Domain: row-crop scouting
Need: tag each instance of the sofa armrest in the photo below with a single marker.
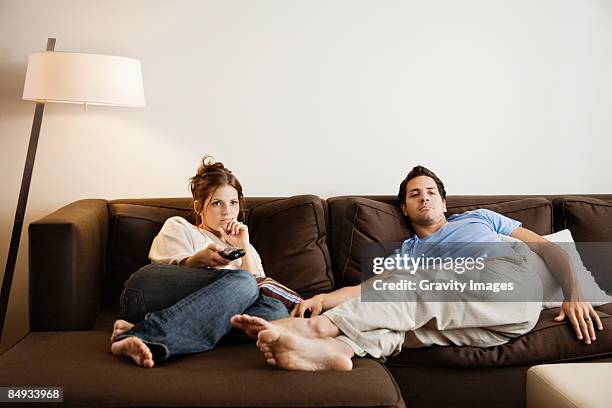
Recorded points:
(67, 266)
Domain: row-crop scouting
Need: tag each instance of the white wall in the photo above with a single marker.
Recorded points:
(324, 97)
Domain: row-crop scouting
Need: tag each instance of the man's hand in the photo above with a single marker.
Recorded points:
(583, 318)
(314, 305)
(581, 314)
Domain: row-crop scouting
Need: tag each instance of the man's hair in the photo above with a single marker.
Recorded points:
(416, 172)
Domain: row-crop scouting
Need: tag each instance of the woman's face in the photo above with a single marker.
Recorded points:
(220, 208)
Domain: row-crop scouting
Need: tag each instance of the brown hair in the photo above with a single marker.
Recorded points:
(210, 176)
(416, 172)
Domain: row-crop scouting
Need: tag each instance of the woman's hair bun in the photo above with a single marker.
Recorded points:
(209, 163)
(208, 160)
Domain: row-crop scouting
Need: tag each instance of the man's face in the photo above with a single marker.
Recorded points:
(423, 204)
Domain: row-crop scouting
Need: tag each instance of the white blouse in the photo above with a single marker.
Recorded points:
(179, 239)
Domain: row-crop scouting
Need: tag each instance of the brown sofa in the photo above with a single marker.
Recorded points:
(81, 254)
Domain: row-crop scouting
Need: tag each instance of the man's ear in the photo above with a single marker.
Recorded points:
(444, 204)
(403, 206)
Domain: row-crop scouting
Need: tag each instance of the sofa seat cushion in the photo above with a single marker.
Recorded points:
(357, 221)
(231, 375)
(547, 342)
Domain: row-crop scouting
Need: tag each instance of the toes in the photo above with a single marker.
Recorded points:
(144, 350)
(256, 320)
(144, 355)
(267, 336)
(271, 361)
(263, 345)
(147, 360)
(236, 320)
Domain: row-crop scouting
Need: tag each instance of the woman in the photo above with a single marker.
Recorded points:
(187, 296)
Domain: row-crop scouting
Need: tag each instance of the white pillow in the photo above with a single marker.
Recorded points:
(552, 292)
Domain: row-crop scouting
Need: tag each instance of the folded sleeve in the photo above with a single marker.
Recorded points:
(499, 223)
(173, 244)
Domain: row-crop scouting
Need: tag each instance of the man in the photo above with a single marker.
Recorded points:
(342, 325)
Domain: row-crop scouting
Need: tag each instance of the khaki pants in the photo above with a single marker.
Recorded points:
(380, 328)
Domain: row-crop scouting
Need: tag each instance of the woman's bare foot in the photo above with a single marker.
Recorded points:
(119, 327)
(136, 349)
(315, 327)
(294, 352)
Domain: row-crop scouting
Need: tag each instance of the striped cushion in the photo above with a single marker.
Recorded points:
(273, 289)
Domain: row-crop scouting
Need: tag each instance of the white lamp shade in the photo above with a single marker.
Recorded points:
(83, 78)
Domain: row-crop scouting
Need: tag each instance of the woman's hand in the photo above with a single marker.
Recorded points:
(314, 305)
(236, 234)
(583, 318)
(208, 257)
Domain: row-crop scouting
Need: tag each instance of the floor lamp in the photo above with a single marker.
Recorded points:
(87, 79)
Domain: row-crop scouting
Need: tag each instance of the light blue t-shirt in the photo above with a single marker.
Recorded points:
(465, 232)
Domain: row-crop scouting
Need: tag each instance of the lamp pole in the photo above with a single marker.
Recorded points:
(11, 261)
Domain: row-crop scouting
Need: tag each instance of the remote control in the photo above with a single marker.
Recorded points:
(232, 253)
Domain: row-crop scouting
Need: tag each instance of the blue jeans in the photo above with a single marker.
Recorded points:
(196, 322)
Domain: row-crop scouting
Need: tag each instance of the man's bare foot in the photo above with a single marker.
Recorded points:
(314, 327)
(251, 325)
(136, 349)
(119, 327)
(291, 351)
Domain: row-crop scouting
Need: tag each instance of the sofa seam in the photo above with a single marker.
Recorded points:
(604, 204)
(116, 217)
(509, 201)
(348, 255)
(328, 269)
(165, 207)
(552, 217)
(530, 207)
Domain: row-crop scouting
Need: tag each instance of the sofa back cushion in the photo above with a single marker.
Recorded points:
(133, 224)
(290, 235)
(590, 221)
(355, 221)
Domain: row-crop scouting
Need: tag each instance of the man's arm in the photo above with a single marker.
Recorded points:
(325, 301)
(558, 262)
